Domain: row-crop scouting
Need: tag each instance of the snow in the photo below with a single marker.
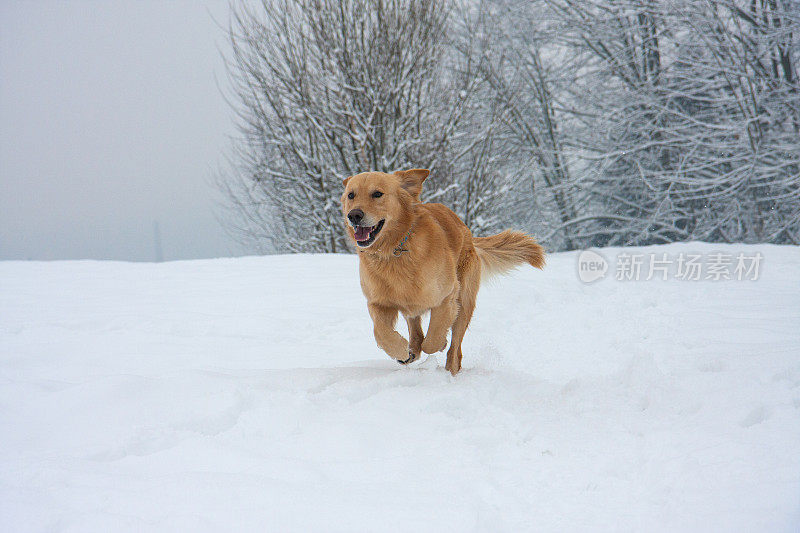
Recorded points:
(248, 394)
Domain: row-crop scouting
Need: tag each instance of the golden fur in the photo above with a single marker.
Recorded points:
(437, 269)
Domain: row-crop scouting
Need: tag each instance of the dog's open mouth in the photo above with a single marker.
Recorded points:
(365, 235)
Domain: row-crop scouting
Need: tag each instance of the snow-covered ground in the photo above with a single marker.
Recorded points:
(248, 394)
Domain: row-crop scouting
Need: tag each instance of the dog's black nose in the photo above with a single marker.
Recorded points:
(355, 216)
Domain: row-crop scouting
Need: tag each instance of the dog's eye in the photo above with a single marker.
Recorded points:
(377, 194)
(351, 195)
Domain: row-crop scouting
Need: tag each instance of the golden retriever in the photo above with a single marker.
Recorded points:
(417, 257)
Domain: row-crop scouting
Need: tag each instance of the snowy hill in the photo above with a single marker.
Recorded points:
(248, 393)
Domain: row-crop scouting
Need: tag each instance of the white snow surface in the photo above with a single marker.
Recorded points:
(249, 394)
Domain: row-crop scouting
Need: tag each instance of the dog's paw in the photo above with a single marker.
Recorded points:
(411, 358)
(430, 345)
(395, 346)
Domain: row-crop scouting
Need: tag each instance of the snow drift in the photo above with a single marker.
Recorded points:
(248, 394)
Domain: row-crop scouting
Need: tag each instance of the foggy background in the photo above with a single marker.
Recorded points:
(111, 121)
(681, 124)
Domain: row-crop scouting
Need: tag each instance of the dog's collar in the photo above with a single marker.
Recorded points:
(398, 250)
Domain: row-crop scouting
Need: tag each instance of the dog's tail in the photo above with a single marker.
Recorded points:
(507, 250)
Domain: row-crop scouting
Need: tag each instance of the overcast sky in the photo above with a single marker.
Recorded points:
(111, 119)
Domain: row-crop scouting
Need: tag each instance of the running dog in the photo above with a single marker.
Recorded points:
(416, 257)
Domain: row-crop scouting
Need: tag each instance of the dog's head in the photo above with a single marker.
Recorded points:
(373, 203)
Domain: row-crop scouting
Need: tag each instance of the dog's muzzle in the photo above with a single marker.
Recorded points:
(365, 235)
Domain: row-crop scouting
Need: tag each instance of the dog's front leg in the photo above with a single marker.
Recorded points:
(383, 320)
(415, 336)
(442, 317)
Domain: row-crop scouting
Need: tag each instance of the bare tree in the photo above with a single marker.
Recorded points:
(526, 88)
(591, 123)
(326, 89)
(693, 110)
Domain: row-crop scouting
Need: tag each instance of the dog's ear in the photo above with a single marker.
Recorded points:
(411, 180)
(344, 181)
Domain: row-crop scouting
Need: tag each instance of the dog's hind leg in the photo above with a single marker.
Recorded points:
(470, 282)
(442, 317)
(415, 335)
(383, 319)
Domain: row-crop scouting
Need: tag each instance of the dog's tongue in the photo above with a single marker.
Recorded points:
(362, 233)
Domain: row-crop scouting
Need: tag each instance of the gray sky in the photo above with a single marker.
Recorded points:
(111, 119)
